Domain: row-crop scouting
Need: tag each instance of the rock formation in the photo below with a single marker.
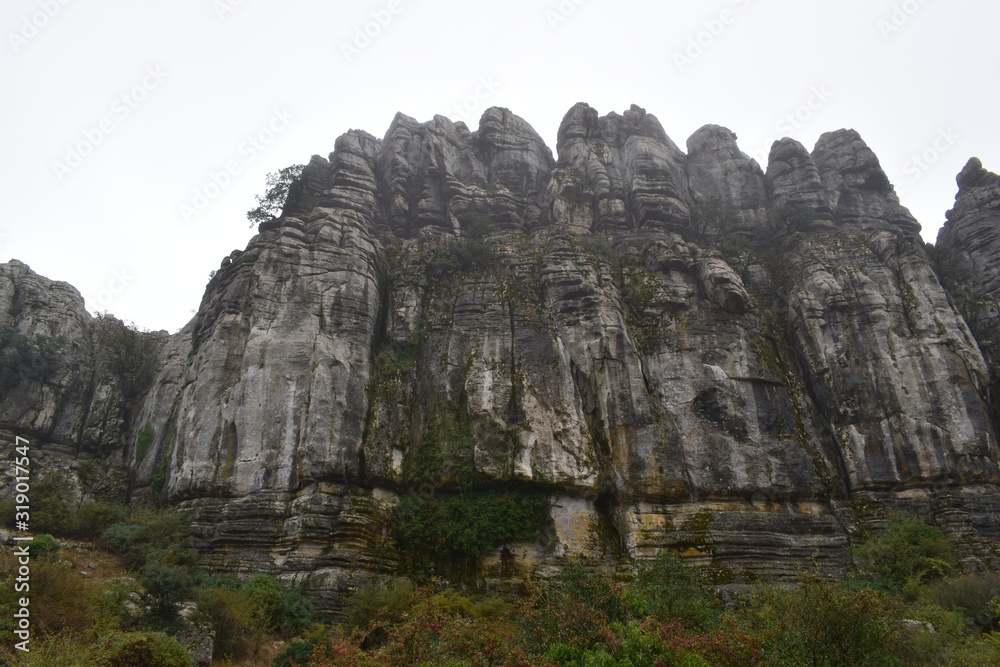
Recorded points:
(681, 350)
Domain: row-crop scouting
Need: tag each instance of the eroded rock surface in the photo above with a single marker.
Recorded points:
(680, 350)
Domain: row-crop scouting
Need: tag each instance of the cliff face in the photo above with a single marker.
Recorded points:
(680, 349)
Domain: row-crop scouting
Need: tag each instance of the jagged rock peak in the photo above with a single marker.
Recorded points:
(974, 175)
(858, 189)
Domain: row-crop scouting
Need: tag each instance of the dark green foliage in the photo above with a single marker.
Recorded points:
(160, 478)
(666, 588)
(151, 537)
(822, 624)
(298, 652)
(444, 453)
(93, 517)
(906, 555)
(387, 602)
(243, 614)
(237, 621)
(24, 357)
(711, 217)
(168, 586)
(128, 357)
(977, 596)
(51, 509)
(271, 203)
(43, 545)
(448, 532)
(154, 543)
(782, 219)
(142, 442)
(461, 256)
(287, 611)
(142, 649)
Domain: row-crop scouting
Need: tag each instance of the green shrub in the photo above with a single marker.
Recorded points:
(62, 650)
(51, 509)
(43, 545)
(93, 517)
(981, 652)
(971, 594)
(142, 442)
(238, 622)
(666, 588)
(385, 603)
(151, 536)
(298, 652)
(142, 649)
(821, 624)
(461, 256)
(24, 357)
(284, 610)
(904, 556)
(449, 532)
(168, 586)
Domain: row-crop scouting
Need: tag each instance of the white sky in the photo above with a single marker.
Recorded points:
(112, 224)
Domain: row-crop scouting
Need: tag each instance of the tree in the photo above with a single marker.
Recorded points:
(129, 357)
(270, 203)
(907, 554)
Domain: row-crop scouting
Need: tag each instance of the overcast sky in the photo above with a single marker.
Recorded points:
(119, 112)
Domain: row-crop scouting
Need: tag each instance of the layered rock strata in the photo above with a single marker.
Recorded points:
(682, 350)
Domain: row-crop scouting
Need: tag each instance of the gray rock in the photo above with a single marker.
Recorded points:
(446, 306)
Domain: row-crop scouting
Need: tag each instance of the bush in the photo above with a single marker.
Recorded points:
(461, 256)
(973, 595)
(151, 536)
(824, 624)
(144, 438)
(168, 586)
(51, 509)
(450, 532)
(43, 545)
(299, 652)
(238, 622)
(278, 184)
(575, 609)
(984, 652)
(59, 597)
(24, 357)
(372, 608)
(93, 517)
(64, 650)
(142, 649)
(668, 589)
(904, 556)
(287, 611)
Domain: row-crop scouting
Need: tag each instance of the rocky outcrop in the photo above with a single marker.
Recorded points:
(680, 350)
(53, 388)
(968, 260)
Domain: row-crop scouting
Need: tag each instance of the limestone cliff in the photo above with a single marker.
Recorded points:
(682, 350)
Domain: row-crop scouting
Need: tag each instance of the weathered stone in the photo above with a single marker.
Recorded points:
(681, 352)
